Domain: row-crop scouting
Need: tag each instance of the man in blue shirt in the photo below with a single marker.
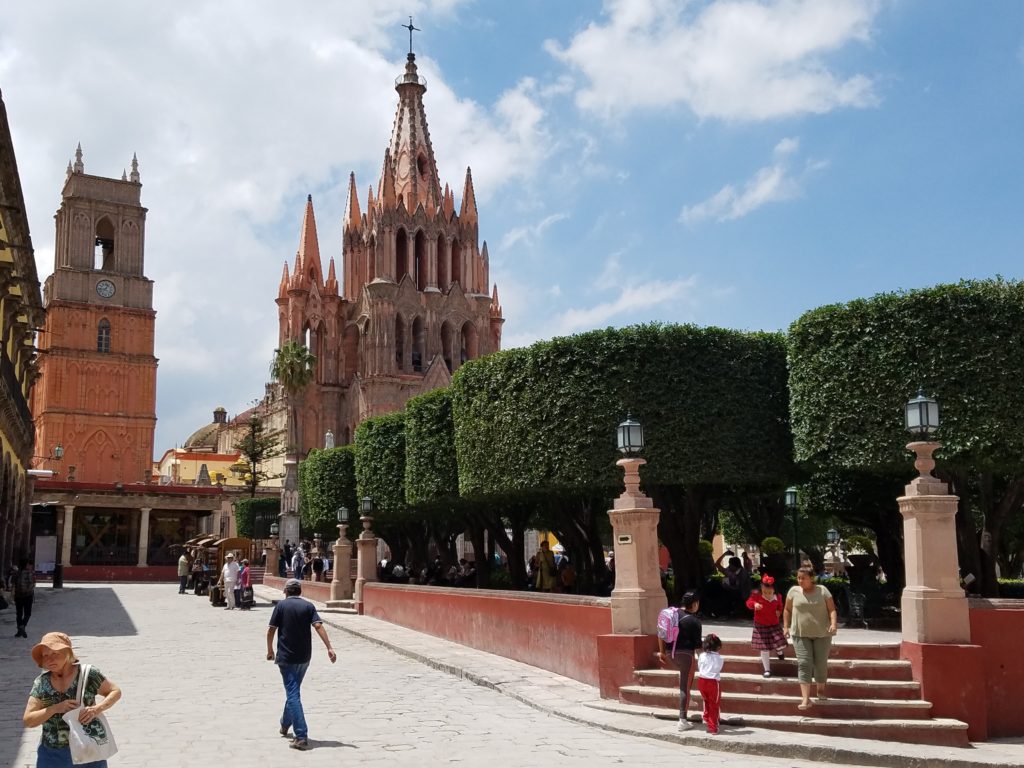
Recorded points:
(291, 621)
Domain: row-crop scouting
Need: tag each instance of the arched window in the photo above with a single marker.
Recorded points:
(399, 344)
(417, 344)
(469, 342)
(456, 273)
(103, 336)
(442, 263)
(421, 261)
(401, 255)
(446, 345)
(104, 244)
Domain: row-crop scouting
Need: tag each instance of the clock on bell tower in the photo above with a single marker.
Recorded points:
(97, 390)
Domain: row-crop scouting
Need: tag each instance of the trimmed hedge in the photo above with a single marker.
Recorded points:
(380, 462)
(431, 470)
(854, 366)
(543, 419)
(246, 511)
(327, 480)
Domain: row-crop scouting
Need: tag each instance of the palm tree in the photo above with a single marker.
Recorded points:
(293, 367)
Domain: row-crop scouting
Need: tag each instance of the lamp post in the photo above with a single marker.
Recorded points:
(792, 501)
(638, 596)
(341, 579)
(366, 552)
(270, 567)
(933, 605)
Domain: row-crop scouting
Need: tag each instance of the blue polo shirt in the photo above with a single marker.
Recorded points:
(294, 618)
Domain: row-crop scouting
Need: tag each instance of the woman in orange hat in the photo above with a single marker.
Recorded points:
(54, 693)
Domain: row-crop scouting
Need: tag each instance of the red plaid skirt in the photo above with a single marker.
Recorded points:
(767, 638)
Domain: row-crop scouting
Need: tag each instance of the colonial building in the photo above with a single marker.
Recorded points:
(414, 300)
(97, 397)
(21, 312)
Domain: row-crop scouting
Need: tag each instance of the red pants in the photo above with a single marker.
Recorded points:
(711, 695)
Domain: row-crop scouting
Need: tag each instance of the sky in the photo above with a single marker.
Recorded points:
(731, 163)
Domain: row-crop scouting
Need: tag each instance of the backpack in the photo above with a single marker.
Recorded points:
(668, 626)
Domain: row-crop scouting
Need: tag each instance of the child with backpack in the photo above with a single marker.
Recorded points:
(709, 675)
(767, 607)
(679, 637)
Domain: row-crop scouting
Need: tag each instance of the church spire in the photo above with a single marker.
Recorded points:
(468, 212)
(354, 215)
(134, 178)
(386, 190)
(282, 289)
(307, 260)
(331, 285)
(79, 165)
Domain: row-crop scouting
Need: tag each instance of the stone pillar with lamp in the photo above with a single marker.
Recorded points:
(366, 553)
(341, 579)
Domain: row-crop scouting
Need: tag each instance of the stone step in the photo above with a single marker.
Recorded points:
(759, 704)
(839, 688)
(934, 731)
(861, 669)
(875, 651)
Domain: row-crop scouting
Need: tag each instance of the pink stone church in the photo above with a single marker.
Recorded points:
(415, 300)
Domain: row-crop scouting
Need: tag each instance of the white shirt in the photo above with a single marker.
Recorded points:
(230, 572)
(709, 666)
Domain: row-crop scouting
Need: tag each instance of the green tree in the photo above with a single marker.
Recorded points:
(256, 446)
(293, 367)
(853, 367)
(253, 517)
(327, 481)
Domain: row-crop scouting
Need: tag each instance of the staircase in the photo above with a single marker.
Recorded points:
(872, 695)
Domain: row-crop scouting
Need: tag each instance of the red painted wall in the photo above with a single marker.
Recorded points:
(554, 632)
(121, 573)
(314, 590)
(998, 626)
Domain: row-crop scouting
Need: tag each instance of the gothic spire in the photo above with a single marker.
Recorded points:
(354, 215)
(468, 212)
(412, 154)
(135, 169)
(388, 196)
(282, 289)
(331, 285)
(79, 165)
(307, 259)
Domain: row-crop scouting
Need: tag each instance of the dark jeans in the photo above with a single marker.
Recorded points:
(23, 610)
(238, 596)
(293, 716)
(182, 581)
(48, 757)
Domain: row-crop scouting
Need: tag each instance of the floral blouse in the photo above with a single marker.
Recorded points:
(55, 730)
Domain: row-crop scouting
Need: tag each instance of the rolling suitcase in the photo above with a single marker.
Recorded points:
(248, 598)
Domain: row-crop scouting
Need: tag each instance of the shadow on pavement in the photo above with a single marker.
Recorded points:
(84, 613)
(317, 743)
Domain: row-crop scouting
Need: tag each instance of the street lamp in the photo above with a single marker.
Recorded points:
(275, 529)
(630, 436)
(342, 514)
(366, 506)
(922, 416)
(832, 537)
(792, 502)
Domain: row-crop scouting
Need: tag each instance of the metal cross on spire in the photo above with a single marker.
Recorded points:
(411, 29)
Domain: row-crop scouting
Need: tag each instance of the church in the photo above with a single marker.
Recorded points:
(414, 301)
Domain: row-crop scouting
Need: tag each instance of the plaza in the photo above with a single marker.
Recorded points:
(198, 689)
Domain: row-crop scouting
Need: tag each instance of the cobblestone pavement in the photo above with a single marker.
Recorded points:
(199, 692)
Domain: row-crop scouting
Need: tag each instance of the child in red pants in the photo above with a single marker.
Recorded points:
(709, 674)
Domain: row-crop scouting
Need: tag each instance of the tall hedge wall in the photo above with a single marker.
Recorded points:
(431, 470)
(854, 366)
(246, 511)
(713, 403)
(327, 481)
(380, 461)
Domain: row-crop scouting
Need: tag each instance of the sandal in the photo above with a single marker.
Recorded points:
(803, 707)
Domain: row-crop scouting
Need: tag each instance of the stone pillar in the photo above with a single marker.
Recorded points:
(289, 525)
(638, 595)
(65, 550)
(144, 536)
(934, 606)
(366, 560)
(341, 581)
(272, 559)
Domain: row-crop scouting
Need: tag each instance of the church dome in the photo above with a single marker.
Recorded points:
(204, 439)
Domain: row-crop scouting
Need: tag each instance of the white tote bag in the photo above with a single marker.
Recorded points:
(91, 742)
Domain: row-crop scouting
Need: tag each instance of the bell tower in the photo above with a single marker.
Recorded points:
(97, 391)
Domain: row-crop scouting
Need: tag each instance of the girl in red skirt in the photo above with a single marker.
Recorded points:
(767, 607)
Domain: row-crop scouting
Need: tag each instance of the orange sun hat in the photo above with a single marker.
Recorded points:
(55, 641)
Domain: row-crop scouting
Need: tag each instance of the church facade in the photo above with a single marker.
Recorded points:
(414, 299)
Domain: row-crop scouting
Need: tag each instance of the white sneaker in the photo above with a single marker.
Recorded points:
(685, 725)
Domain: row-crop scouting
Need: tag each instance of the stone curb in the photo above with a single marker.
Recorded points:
(579, 712)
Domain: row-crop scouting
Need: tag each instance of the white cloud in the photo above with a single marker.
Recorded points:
(632, 299)
(237, 110)
(771, 184)
(733, 59)
(528, 235)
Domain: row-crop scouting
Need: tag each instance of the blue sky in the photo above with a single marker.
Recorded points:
(722, 163)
